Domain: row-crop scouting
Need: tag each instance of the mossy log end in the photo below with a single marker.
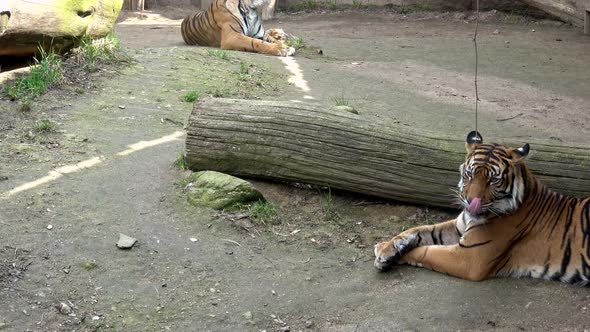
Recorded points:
(55, 24)
(312, 144)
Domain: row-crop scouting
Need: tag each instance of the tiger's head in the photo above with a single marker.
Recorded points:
(492, 181)
(254, 4)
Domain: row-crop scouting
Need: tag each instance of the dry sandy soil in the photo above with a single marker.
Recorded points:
(306, 273)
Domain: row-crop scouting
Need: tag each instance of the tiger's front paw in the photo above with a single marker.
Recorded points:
(386, 255)
(287, 51)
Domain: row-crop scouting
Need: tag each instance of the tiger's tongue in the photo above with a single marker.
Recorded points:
(475, 206)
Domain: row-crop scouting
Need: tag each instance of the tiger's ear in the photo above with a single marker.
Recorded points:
(473, 139)
(518, 155)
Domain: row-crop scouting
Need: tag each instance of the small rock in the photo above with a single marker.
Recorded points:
(308, 324)
(247, 315)
(272, 291)
(125, 242)
(285, 329)
(49, 227)
(533, 30)
(122, 107)
(3, 178)
(3, 325)
(346, 108)
(229, 253)
(496, 32)
(193, 239)
(63, 308)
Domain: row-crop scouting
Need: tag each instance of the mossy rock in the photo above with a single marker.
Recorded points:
(220, 191)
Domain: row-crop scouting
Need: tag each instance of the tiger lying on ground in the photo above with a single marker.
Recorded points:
(511, 225)
(233, 25)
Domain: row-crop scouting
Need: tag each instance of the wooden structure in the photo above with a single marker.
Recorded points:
(307, 143)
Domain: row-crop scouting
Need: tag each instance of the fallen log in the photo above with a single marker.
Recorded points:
(308, 143)
(53, 24)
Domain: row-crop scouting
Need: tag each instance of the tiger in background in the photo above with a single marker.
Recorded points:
(234, 25)
(511, 225)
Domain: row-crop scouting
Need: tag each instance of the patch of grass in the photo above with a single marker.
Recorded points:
(244, 72)
(25, 105)
(414, 8)
(341, 101)
(264, 212)
(89, 265)
(296, 42)
(327, 201)
(219, 54)
(180, 162)
(93, 52)
(311, 4)
(357, 3)
(47, 72)
(219, 93)
(44, 126)
(191, 96)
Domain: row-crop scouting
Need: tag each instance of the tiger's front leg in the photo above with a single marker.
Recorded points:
(231, 40)
(389, 253)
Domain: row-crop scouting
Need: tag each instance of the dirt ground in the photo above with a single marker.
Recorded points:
(201, 270)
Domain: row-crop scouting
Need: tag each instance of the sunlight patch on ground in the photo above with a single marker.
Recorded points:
(147, 144)
(54, 175)
(68, 169)
(296, 77)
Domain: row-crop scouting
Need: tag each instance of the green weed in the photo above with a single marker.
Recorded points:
(47, 72)
(341, 101)
(93, 52)
(327, 201)
(180, 162)
(219, 93)
(191, 96)
(244, 72)
(414, 8)
(296, 42)
(219, 54)
(25, 105)
(44, 126)
(264, 212)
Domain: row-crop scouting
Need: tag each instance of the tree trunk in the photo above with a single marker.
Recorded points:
(311, 144)
(55, 24)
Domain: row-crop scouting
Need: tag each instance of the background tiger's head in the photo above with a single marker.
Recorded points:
(492, 181)
(254, 4)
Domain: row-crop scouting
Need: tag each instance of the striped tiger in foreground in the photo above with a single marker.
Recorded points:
(233, 25)
(511, 225)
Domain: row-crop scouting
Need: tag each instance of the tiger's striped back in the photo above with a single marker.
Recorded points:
(201, 28)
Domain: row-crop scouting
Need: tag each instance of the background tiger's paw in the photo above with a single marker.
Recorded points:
(386, 256)
(287, 51)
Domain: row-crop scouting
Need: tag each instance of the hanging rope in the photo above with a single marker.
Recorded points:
(476, 60)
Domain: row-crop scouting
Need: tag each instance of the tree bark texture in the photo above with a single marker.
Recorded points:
(308, 143)
(55, 24)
